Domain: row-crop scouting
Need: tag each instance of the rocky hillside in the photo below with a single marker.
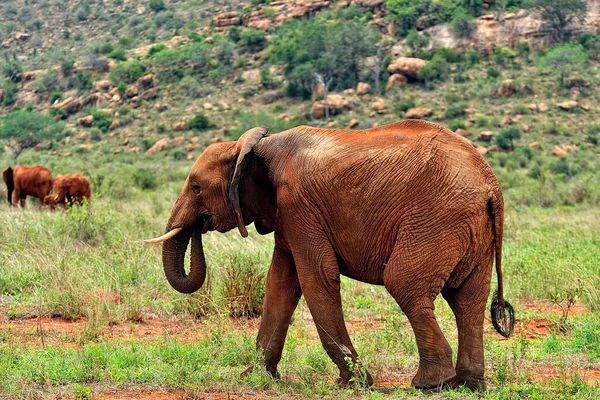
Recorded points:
(169, 77)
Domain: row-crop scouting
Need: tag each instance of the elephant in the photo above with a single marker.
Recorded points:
(23, 181)
(69, 189)
(411, 206)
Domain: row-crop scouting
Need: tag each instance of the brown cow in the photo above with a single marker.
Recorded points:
(23, 181)
(69, 189)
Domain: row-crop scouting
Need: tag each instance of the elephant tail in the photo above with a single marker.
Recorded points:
(7, 175)
(503, 314)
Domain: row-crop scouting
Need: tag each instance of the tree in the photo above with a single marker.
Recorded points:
(560, 15)
(23, 129)
(506, 137)
(564, 59)
(325, 52)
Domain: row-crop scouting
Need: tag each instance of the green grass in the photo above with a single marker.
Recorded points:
(52, 261)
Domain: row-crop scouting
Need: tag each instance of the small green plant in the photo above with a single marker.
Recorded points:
(157, 5)
(179, 155)
(118, 53)
(244, 285)
(454, 110)
(199, 122)
(507, 136)
(463, 26)
(503, 56)
(144, 179)
(493, 73)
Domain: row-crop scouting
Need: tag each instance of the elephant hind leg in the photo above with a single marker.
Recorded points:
(468, 301)
(415, 274)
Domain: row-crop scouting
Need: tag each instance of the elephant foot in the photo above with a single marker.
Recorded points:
(433, 376)
(468, 379)
(359, 378)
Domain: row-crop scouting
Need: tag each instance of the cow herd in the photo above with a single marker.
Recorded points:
(23, 181)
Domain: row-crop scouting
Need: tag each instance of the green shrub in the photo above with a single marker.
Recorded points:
(463, 26)
(157, 5)
(191, 86)
(454, 110)
(456, 124)
(102, 119)
(199, 122)
(564, 59)
(156, 49)
(493, 73)
(55, 96)
(22, 129)
(244, 287)
(506, 137)
(502, 56)
(435, 70)
(473, 57)
(179, 155)
(67, 65)
(417, 42)
(10, 91)
(127, 72)
(144, 179)
(118, 53)
(105, 48)
(451, 56)
(122, 88)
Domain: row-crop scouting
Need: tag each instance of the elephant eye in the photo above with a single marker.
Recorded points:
(195, 188)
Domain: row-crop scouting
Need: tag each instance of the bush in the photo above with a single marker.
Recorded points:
(127, 72)
(506, 137)
(102, 119)
(252, 38)
(564, 59)
(493, 73)
(145, 179)
(503, 56)
(11, 68)
(436, 69)
(179, 155)
(452, 56)
(105, 48)
(118, 53)
(157, 5)
(244, 287)
(156, 49)
(55, 96)
(191, 87)
(23, 129)
(47, 82)
(10, 91)
(199, 122)
(67, 65)
(473, 57)
(463, 26)
(417, 42)
(454, 110)
(456, 124)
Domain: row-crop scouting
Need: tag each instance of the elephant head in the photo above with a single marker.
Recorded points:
(210, 200)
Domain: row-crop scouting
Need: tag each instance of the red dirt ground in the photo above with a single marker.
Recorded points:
(56, 331)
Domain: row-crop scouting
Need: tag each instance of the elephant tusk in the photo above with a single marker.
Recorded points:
(164, 237)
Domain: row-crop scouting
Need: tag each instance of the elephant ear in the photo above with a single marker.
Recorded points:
(244, 147)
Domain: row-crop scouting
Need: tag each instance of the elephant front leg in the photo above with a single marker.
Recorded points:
(320, 282)
(281, 298)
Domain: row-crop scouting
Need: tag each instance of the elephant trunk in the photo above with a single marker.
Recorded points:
(173, 255)
(8, 176)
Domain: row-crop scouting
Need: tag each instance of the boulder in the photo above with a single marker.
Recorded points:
(158, 146)
(189, 157)
(407, 66)
(178, 141)
(335, 103)
(22, 36)
(577, 82)
(506, 121)
(103, 84)
(135, 102)
(131, 91)
(379, 106)
(227, 19)
(207, 106)
(134, 149)
(145, 82)
(567, 105)
(215, 140)
(462, 132)
(482, 150)
(559, 152)
(94, 100)
(83, 136)
(180, 126)
(353, 123)
(418, 113)
(396, 80)
(224, 105)
(363, 88)
(125, 142)
(117, 151)
(506, 88)
(114, 125)
(86, 121)
(251, 75)
(191, 147)
(150, 94)
(5, 45)
(209, 40)
(542, 107)
(68, 140)
(535, 145)
(271, 97)
(486, 136)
